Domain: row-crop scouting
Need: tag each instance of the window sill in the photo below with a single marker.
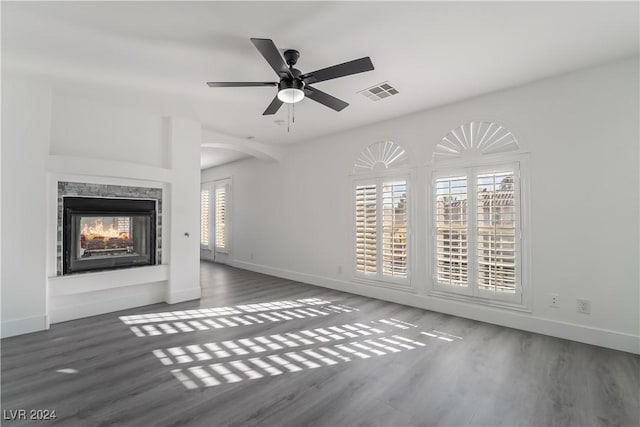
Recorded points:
(480, 301)
(406, 287)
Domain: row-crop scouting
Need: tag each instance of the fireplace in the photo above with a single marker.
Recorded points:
(104, 233)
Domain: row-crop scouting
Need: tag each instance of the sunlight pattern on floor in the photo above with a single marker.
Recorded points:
(441, 335)
(275, 354)
(205, 323)
(226, 311)
(397, 323)
(294, 361)
(254, 345)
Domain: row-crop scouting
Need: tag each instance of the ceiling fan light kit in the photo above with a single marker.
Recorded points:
(294, 86)
(290, 95)
(290, 91)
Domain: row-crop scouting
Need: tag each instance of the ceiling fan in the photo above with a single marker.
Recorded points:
(294, 85)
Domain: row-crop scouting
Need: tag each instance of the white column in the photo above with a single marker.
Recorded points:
(185, 137)
(26, 124)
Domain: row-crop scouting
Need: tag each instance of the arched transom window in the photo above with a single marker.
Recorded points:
(475, 139)
(380, 156)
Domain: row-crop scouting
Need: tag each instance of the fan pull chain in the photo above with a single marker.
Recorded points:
(288, 115)
(293, 115)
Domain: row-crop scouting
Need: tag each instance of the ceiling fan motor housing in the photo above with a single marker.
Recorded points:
(289, 83)
(291, 56)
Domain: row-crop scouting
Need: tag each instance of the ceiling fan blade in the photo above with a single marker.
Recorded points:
(240, 84)
(325, 99)
(273, 107)
(270, 52)
(341, 70)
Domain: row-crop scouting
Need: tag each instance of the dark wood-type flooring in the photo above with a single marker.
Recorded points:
(275, 352)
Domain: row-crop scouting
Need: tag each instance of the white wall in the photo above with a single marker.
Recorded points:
(89, 128)
(293, 219)
(50, 134)
(26, 120)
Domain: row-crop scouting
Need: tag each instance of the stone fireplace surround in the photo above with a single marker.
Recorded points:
(80, 189)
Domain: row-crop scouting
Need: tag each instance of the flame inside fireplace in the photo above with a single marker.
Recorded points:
(97, 237)
(98, 230)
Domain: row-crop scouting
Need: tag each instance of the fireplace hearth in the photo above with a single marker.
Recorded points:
(107, 233)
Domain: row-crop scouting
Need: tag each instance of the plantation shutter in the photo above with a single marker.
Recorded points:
(394, 229)
(204, 217)
(452, 244)
(477, 233)
(220, 204)
(366, 228)
(496, 232)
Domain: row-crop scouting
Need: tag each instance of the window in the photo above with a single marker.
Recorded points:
(451, 231)
(381, 220)
(477, 208)
(215, 219)
(477, 232)
(366, 228)
(381, 215)
(496, 232)
(204, 218)
(220, 217)
(394, 229)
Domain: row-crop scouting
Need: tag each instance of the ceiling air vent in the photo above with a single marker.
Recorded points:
(379, 91)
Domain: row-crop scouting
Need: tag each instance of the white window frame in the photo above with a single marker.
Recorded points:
(521, 300)
(379, 278)
(226, 184)
(206, 187)
(211, 186)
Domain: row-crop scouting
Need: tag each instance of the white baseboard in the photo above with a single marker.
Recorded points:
(183, 295)
(25, 325)
(153, 295)
(512, 319)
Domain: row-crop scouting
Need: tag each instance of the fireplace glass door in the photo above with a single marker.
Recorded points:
(106, 238)
(111, 237)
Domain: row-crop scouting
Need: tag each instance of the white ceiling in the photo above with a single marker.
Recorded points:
(433, 52)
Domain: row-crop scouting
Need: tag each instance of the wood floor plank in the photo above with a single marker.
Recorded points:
(397, 365)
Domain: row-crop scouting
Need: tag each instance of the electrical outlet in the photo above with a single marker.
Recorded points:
(339, 269)
(584, 306)
(554, 300)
